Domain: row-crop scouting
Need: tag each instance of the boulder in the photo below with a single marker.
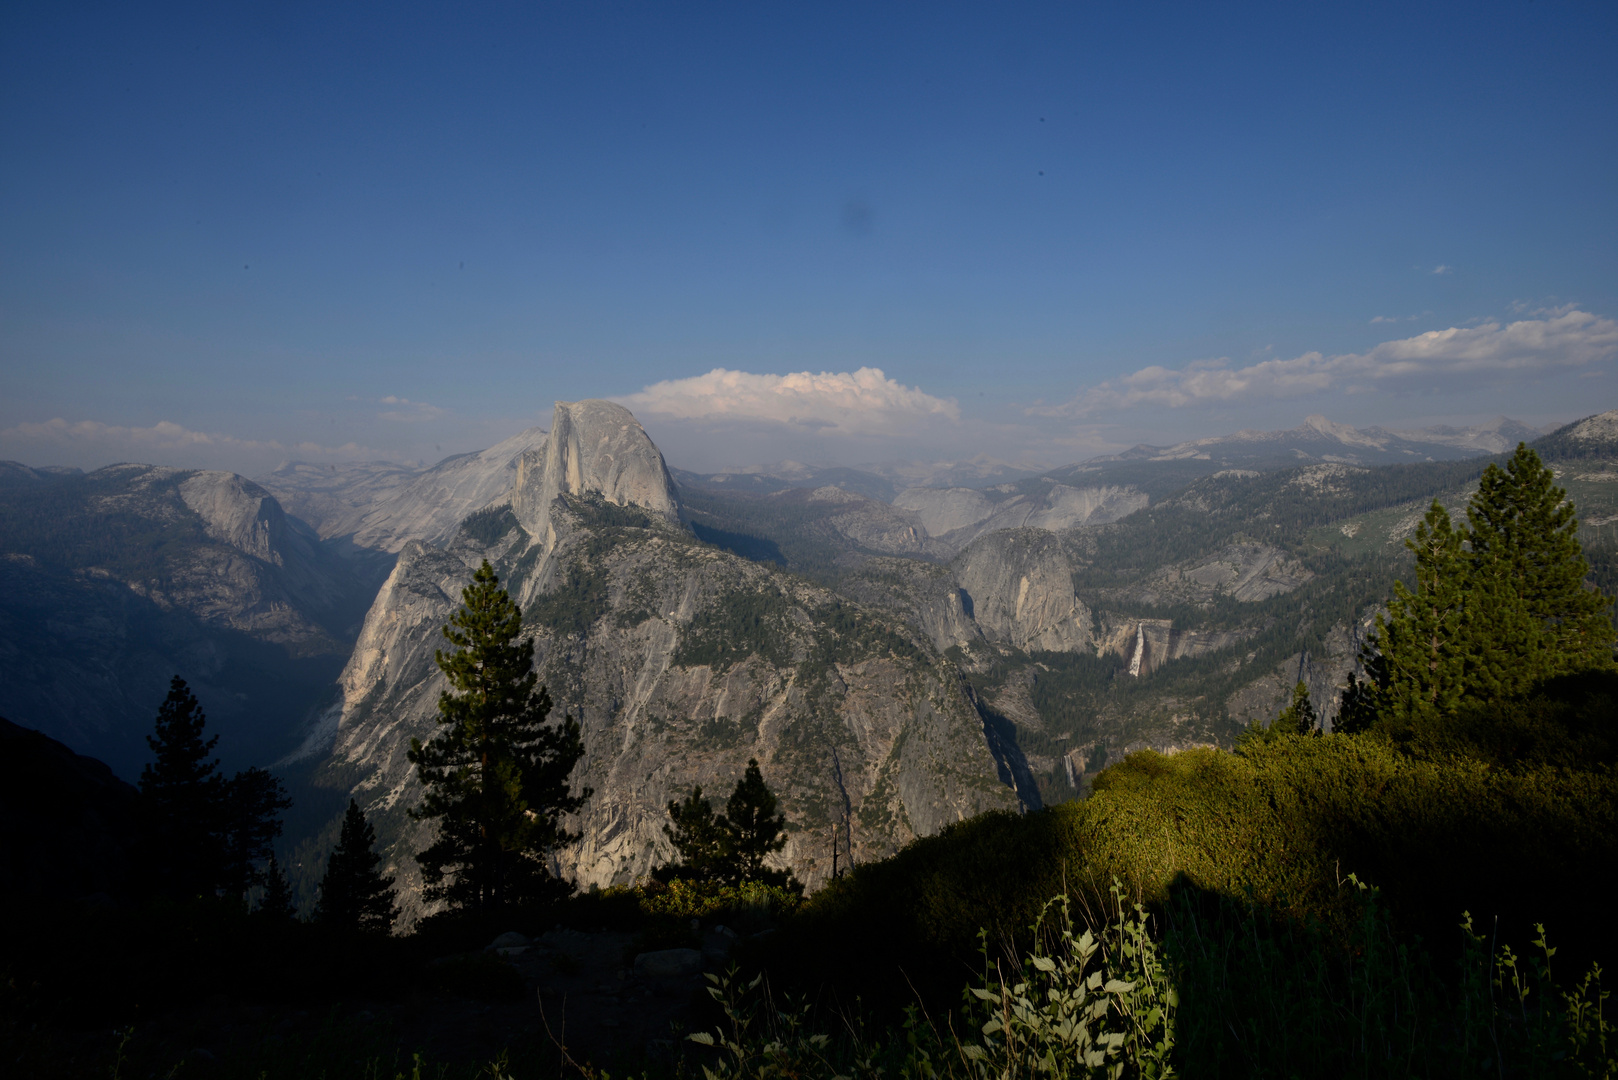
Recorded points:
(668, 963)
(510, 940)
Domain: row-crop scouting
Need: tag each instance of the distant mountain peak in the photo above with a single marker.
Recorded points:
(1319, 438)
(1603, 427)
(594, 448)
(1343, 433)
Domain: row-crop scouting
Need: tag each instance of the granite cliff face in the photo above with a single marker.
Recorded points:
(381, 507)
(955, 517)
(1018, 587)
(681, 661)
(1246, 570)
(596, 448)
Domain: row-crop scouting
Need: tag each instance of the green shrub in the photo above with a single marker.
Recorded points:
(738, 906)
(1279, 827)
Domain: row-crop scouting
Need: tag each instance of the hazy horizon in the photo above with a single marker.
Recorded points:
(196, 456)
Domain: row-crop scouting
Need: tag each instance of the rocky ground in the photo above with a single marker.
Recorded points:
(598, 997)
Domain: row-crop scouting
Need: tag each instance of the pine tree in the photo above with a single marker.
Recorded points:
(182, 796)
(354, 896)
(729, 847)
(1357, 713)
(203, 834)
(251, 820)
(1528, 591)
(701, 839)
(1501, 606)
(276, 903)
(1299, 717)
(755, 831)
(1417, 657)
(496, 774)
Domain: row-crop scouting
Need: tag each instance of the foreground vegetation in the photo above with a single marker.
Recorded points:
(1213, 920)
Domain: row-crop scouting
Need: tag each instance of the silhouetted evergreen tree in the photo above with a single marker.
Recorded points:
(276, 903)
(354, 895)
(182, 799)
(729, 847)
(755, 830)
(202, 834)
(700, 837)
(251, 811)
(496, 774)
(1297, 718)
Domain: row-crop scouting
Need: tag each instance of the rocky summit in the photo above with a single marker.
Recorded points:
(681, 661)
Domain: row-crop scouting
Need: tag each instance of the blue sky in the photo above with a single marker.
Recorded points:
(233, 234)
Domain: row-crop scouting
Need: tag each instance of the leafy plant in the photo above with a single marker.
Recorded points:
(1072, 1013)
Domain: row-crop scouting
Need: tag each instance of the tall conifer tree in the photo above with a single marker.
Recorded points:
(203, 834)
(182, 796)
(496, 774)
(355, 897)
(1537, 619)
(701, 839)
(1417, 654)
(276, 903)
(729, 847)
(1500, 606)
(756, 830)
(1298, 718)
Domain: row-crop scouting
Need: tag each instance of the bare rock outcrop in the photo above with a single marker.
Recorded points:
(1147, 644)
(432, 506)
(1324, 670)
(1246, 570)
(925, 594)
(677, 679)
(1018, 587)
(944, 510)
(680, 661)
(954, 517)
(595, 447)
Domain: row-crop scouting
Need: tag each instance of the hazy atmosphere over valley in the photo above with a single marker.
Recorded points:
(962, 414)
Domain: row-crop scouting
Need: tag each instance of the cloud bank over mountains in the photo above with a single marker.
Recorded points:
(729, 418)
(1563, 339)
(862, 402)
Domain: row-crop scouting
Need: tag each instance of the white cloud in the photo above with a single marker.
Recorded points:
(863, 402)
(1442, 269)
(1562, 338)
(410, 412)
(90, 443)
